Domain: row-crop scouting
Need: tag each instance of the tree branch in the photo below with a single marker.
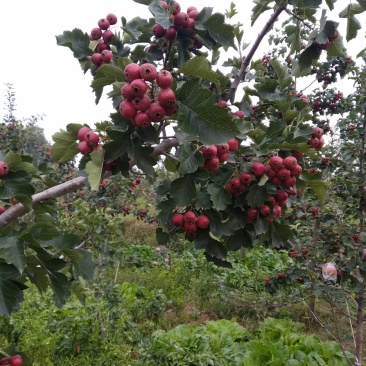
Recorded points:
(230, 94)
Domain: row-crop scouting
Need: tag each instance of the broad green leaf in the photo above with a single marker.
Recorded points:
(220, 196)
(144, 160)
(85, 266)
(260, 7)
(319, 188)
(219, 31)
(353, 25)
(201, 117)
(77, 41)
(16, 183)
(203, 201)
(12, 251)
(361, 2)
(170, 164)
(183, 190)
(184, 44)
(161, 236)
(306, 59)
(144, 2)
(200, 67)
(165, 209)
(107, 74)
(240, 239)
(10, 296)
(214, 248)
(66, 241)
(131, 28)
(280, 233)
(257, 195)
(281, 71)
(8, 272)
(94, 168)
(307, 3)
(120, 145)
(330, 4)
(160, 14)
(294, 37)
(25, 200)
(65, 147)
(12, 159)
(191, 159)
(60, 287)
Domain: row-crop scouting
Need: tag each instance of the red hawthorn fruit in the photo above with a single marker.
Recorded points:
(132, 72)
(2, 210)
(222, 149)
(102, 46)
(107, 36)
(142, 103)
(234, 183)
(276, 162)
(166, 97)
(202, 221)
(138, 87)
(190, 217)
(181, 19)
(245, 178)
(176, 8)
(317, 132)
(222, 103)
(289, 162)
(126, 91)
(96, 34)
(190, 227)
(290, 182)
(265, 210)
(82, 132)
(270, 172)
(252, 213)
(16, 360)
(84, 147)
(171, 109)
(223, 157)
(91, 137)
(156, 112)
(164, 79)
(4, 169)
(296, 170)
(97, 59)
(103, 24)
(283, 173)
(148, 72)
(142, 120)
(305, 251)
(239, 114)
(356, 236)
(127, 109)
(233, 144)
(297, 154)
(158, 30)
(320, 143)
(190, 8)
(313, 142)
(209, 152)
(193, 14)
(258, 169)
(5, 361)
(170, 33)
(112, 18)
(213, 164)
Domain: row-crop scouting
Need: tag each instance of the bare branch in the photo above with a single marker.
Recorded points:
(230, 94)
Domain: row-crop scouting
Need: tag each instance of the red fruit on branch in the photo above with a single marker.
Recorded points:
(190, 217)
(258, 169)
(213, 164)
(97, 59)
(166, 97)
(148, 72)
(275, 162)
(84, 147)
(164, 79)
(96, 34)
(158, 30)
(112, 18)
(209, 152)
(16, 360)
(132, 72)
(4, 169)
(202, 221)
(82, 132)
(245, 178)
(103, 24)
(233, 144)
(91, 137)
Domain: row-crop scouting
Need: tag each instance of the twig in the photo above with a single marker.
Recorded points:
(229, 95)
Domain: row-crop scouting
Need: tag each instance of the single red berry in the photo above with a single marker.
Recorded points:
(202, 221)
(103, 24)
(166, 97)
(4, 169)
(82, 132)
(112, 18)
(190, 217)
(258, 169)
(148, 72)
(164, 79)
(132, 72)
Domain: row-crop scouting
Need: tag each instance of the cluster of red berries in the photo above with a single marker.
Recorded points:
(317, 140)
(283, 171)
(181, 20)
(325, 46)
(134, 184)
(190, 222)
(147, 94)
(4, 169)
(88, 140)
(15, 360)
(216, 154)
(103, 35)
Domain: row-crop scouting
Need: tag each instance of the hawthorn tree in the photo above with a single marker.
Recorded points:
(237, 162)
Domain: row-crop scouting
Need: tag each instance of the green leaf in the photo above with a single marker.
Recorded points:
(183, 190)
(307, 3)
(85, 266)
(94, 168)
(12, 251)
(219, 31)
(144, 160)
(161, 236)
(200, 67)
(60, 287)
(107, 74)
(280, 233)
(12, 159)
(260, 7)
(201, 117)
(77, 41)
(191, 158)
(281, 71)
(240, 239)
(294, 37)
(353, 25)
(319, 188)
(65, 147)
(16, 183)
(160, 14)
(203, 201)
(214, 248)
(220, 196)
(10, 296)
(362, 3)
(257, 195)
(144, 2)
(306, 60)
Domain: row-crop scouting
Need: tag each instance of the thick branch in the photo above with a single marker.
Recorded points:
(49, 194)
(62, 189)
(246, 61)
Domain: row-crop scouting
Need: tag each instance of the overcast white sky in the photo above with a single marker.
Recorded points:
(48, 80)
